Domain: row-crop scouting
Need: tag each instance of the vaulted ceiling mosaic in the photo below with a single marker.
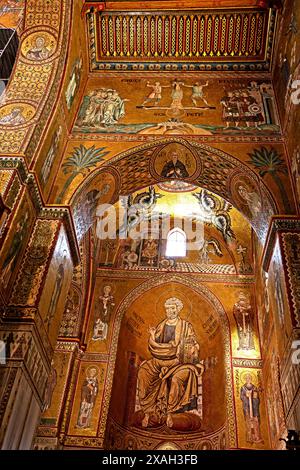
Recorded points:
(203, 39)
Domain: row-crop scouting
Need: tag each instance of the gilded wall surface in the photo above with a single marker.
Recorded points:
(127, 346)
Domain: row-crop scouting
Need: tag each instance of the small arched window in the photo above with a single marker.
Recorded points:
(176, 243)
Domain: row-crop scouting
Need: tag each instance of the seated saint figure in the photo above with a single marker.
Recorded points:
(169, 382)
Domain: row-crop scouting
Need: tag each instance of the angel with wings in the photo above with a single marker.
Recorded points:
(139, 209)
(215, 211)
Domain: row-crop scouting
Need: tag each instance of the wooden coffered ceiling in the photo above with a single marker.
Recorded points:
(183, 35)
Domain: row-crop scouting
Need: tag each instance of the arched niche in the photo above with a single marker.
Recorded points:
(201, 165)
(144, 307)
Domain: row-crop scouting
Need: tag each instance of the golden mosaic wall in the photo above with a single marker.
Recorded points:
(83, 133)
(287, 85)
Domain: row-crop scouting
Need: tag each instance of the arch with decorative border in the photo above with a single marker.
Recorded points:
(116, 327)
(132, 167)
(35, 81)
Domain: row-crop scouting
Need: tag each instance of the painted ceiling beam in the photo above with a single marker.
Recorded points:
(157, 5)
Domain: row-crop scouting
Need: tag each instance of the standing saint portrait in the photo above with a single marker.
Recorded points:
(279, 295)
(252, 199)
(249, 395)
(50, 386)
(174, 168)
(89, 392)
(106, 304)
(296, 169)
(48, 163)
(243, 315)
(169, 383)
(16, 245)
(74, 82)
(60, 274)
